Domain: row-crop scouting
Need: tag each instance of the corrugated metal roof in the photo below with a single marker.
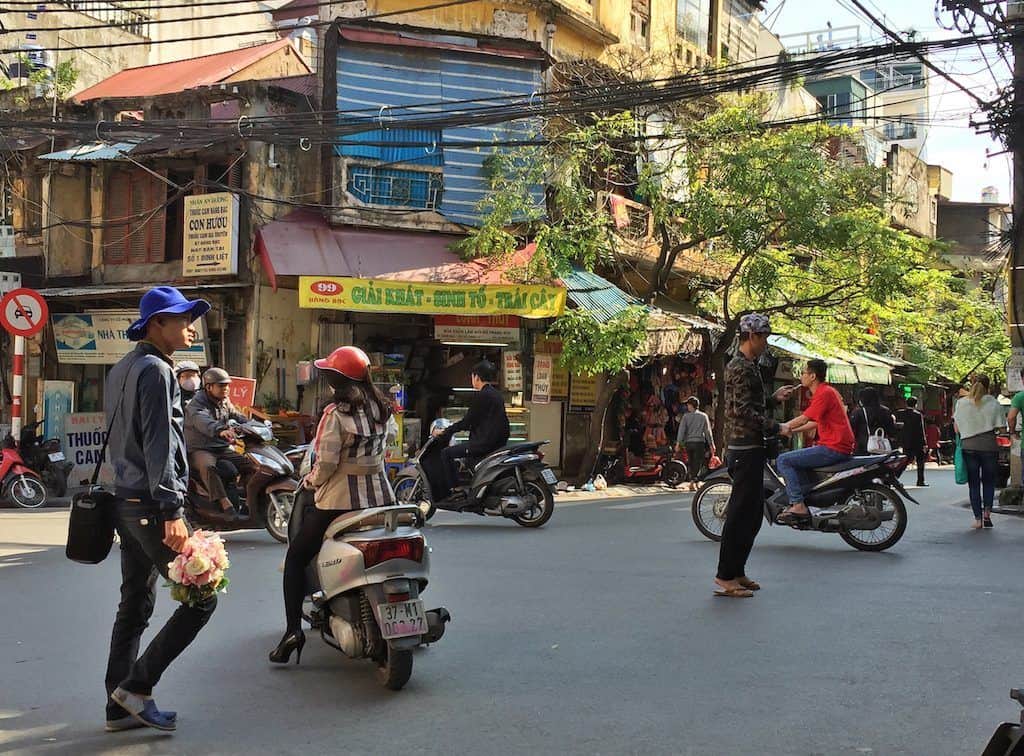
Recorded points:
(602, 299)
(178, 75)
(110, 290)
(92, 152)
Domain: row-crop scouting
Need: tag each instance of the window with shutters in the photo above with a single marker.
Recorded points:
(136, 217)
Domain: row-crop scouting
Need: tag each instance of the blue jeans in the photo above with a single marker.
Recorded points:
(792, 464)
(981, 478)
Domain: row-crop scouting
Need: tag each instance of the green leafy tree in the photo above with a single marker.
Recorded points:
(779, 224)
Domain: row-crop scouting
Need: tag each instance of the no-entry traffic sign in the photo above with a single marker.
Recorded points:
(23, 312)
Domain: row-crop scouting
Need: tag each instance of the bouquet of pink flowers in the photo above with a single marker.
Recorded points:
(198, 571)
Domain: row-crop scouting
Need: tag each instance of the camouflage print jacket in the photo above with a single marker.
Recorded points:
(747, 421)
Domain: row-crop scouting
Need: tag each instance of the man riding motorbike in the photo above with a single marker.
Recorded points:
(187, 373)
(486, 422)
(209, 438)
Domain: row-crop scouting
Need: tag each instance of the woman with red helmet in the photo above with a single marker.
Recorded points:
(348, 473)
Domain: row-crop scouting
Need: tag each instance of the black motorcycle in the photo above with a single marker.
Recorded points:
(512, 482)
(45, 457)
(857, 499)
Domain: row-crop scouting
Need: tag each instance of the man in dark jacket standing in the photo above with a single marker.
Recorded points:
(208, 437)
(747, 422)
(486, 421)
(912, 437)
(147, 447)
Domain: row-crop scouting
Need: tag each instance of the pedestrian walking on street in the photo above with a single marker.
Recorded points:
(1013, 421)
(870, 416)
(695, 437)
(147, 445)
(912, 437)
(976, 418)
(747, 422)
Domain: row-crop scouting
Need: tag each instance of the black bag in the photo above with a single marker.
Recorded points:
(93, 512)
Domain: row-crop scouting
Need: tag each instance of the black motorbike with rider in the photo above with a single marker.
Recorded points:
(486, 421)
(210, 439)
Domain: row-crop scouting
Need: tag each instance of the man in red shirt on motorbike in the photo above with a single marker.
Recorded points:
(827, 414)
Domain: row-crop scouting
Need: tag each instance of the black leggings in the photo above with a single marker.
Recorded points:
(302, 548)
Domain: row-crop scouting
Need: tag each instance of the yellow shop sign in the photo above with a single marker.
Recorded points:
(374, 295)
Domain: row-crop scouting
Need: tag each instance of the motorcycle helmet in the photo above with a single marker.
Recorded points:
(216, 376)
(349, 361)
(185, 366)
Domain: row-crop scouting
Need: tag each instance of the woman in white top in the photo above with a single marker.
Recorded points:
(976, 418)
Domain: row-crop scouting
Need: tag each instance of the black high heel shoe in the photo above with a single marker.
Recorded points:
(292, 641)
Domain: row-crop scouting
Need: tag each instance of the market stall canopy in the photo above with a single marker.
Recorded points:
(602, 299)
(838, 371)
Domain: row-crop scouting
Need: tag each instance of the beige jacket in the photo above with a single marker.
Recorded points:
(348, 461)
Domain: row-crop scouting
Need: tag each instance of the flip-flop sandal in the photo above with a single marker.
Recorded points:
(793, 518)
(735, 593)
(752, 585)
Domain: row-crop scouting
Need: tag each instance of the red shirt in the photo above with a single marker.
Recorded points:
(827, 410)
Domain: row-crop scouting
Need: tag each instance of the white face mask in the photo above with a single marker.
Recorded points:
(190, 384)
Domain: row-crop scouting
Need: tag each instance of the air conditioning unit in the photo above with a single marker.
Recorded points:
(7, 241)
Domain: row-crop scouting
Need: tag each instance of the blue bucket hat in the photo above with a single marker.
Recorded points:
(165, 300)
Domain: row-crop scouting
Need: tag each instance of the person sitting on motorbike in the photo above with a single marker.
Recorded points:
(835, 439)
(486, 421)
(209, 437)
(187, 373)
(347, 474)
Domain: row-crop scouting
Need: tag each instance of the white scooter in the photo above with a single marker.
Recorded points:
(364, 589)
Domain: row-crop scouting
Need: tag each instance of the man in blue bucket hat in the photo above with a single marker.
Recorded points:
(146, 445)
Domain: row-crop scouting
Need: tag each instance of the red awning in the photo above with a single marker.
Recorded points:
(303, 244)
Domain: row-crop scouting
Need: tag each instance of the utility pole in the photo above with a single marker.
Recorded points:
(1015, 141)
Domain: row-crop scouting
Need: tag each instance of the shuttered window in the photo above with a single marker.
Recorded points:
(136, 216)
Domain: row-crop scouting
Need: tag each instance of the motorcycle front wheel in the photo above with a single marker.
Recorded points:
(409, 490)
(27, 492)
(395, 669)
(709, 507)
(277, 513)
(889, 531)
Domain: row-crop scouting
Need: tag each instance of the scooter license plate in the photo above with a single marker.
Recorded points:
(549, 476)
(56, 456)
(402, 619)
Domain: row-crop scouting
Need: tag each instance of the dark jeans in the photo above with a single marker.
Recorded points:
(981, 479)
(920, 456)
(449, 455)
(744, 511)
(144, 557)
(302, 549)
(695, 451)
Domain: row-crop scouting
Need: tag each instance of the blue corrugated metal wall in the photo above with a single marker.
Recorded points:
(372, 76)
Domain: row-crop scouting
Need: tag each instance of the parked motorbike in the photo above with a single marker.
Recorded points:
(46, 457)
(857, 499)
(1008, 739)
(18, 482)
(363, 589)
(665, 469)
(265, 499)
(512, 482)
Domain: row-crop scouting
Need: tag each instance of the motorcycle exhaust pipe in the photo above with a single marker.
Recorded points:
(436, 621)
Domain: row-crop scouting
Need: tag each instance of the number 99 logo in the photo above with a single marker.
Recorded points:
(326, 288)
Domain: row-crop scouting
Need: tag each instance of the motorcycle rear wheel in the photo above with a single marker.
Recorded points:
(542, 511)
(55, 482)
(395, 669)
(708, 509)
(882, 537)
(27, 492)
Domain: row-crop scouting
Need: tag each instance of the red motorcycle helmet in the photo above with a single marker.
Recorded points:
(350, 361)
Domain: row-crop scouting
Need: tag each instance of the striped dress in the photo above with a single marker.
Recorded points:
(348, 467)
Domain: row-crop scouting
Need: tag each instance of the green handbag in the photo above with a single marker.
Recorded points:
(959, 466)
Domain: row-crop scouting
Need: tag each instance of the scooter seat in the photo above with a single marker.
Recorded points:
(851, 463)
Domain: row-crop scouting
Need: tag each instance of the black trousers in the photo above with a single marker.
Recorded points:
(744, 512)
(918, 455)
(144, 558)
(303, 546)
(212, 465)
(695, 451)
(449, 455)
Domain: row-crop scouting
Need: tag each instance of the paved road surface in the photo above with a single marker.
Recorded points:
(596, 634)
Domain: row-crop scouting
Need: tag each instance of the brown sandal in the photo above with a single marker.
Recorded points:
(748, 583)
(735, 592)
